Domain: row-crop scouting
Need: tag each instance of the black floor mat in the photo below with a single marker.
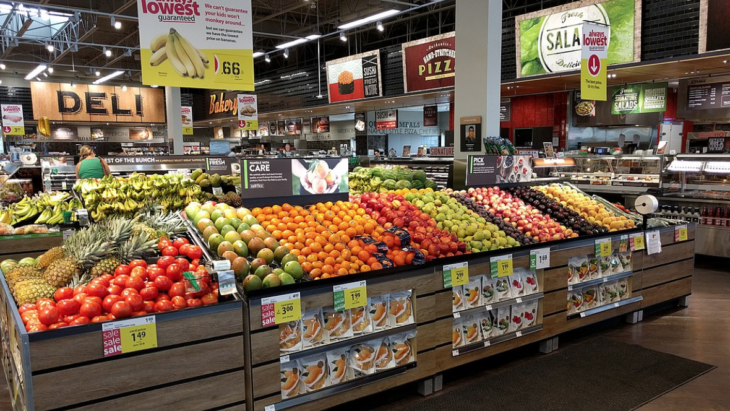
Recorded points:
(597, 375)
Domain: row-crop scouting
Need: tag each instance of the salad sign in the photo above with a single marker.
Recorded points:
(456, 274)
(639, 98)
(123, 337)
(603, 247)
(501, 266)
(539, 258)
(281, 309)
(636, 241)
(351, 295)
(680, 233)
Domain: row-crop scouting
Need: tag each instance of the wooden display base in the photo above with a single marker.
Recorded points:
(33, 245)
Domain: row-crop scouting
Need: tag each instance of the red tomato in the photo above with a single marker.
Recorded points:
(170, 251)
(149, 306)
(148, 293)
(174, 272)
(139, 313)
(163, 283)
(195, 252)
(44, 302)
(109, 302)
(111, 317)
(135, 282)
(63, 293)
(95, 300)
(179, 302)
(121, 309)
(48, 315)
(107, 278)
(209, 299)
(31, 328)
(183, 263)
(140, 272)
(96, 290)
(58, 325)
(80, 289)
(80, 321)
(68, 307)
(164, 306)
(122, 270)
(138, 263)
(135, 301)
(162, 297)
(25, 307)
(184, 249)
(180, 241)
(90, 310)
(128, 291)
(79, 298)
(194, 302)
(114, 290)
(163, 242)
(121, 280)
(68, 318)
(164, 262)
(177, 289)
(153, 273)
(100, 319)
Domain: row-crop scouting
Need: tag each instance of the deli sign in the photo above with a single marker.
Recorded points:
(63, 102)
(429, 63)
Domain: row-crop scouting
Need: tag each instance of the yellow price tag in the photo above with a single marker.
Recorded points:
(139, 337)
(281, 309)
(639, 242)
(606, 248)
(356, 297)
(501, 265)
(682, 233)
(230, 68)
(456, 274)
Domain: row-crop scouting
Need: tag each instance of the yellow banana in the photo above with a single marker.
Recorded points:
(183, 56)
(159, 56)
(173, 57)
(202, 57)
(158, 42)
(192, 53)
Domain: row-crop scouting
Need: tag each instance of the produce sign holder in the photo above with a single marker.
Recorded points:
(18, 247)
(494, 306)
(496, 340)
(606, 307)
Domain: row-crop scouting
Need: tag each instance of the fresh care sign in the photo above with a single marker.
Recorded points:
(186, 43)
(550, 40)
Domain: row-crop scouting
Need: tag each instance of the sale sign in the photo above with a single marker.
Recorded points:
(13, 124)
(594, 59)
(248, 115)
(196, 43)
(429, 63)
(187, 120)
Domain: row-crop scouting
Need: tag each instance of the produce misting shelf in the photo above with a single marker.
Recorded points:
(600, 280)
(494, 306)
(496, 340)
(606, 307)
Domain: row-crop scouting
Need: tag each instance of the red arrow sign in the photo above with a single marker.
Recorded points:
(241, 123)
(594, 65)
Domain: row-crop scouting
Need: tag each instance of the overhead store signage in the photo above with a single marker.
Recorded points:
(13, 123)
(594, 58)
(62, 102)
(505, 109)
(386, 119)
(355, 77)
(550, 40)
(431, 116)
(186, 112)
(429, 63)
(708, 96)
(248, 111)
(271, 178)
(320, 125)
(222, 104)
(639, 98)
(196, 45)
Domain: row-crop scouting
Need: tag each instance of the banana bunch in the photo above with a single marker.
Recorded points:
(54, 214)
(184, 57)
(29, 207)
(44, 126)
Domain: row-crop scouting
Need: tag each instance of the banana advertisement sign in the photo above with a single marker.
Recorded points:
(13, 123)
(196, 44)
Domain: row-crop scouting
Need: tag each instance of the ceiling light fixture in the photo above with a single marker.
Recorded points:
(38, 78)
(50, 48)
(257, 54)
(116, 24)
(369, 19)
(107, 52)
(379, 26)
(314, 36)
(2, 66)
(45, 75)
(98, 73)
(286, 53)
(267, 58)
(109, 77)
(124, 88)
(50, 70)
(343, 37)
(291, 43)
(36, 71)
(154, 86)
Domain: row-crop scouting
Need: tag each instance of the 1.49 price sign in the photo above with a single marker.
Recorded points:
(123, 337)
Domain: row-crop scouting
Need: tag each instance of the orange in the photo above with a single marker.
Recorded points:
(276, 234)
(342, 271)
(329, 261)
(307, 266)
(364, 268)
(301, 259)
(328, 269)
(312, 258)
(321, 256)
(328, 248)
(318, 264)
(315, 273)
(334, 253)
(306, 251)
(345, 238)
(399, 260)
(376, 266)
(340, 247)
(325, 276)
(346, 254)
(286, 207)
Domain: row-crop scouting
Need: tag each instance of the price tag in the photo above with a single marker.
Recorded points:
(226, 282)
(680, 233)
(603, 247)
(653, 242)
(623, 244)
(582, 315)
(221, 265)
(501, 266)
(63, 185)
(487, 343)
(68, 233)
(518, 300)
(284, 359)
(457, 315)
(518, 334)
(489, 308)
(281, 309)
(350, 295)
(83, 216)
(615, 305)
(456, 274)
(636, 241)
(217, 191)
(454, 353)
(122, 337)
(271, 407)
(539, 258)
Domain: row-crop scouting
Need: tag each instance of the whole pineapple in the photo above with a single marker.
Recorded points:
(30, 291)
(105, 266)
(55, 253)
(144, 228)
(22, 272)
(60, 272)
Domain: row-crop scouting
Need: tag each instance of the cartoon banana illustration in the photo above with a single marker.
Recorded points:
(159, 56)
(192, 54)
(158, 42)
(172, 55)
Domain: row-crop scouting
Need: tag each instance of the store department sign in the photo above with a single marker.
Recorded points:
(12, 119)
(247, 108)
(639, 98)
(386, 119)
(88, 102)
(549, 41)
(429, 63)
(594, 54)
(222, 104)
(355, 77)
(196, 45)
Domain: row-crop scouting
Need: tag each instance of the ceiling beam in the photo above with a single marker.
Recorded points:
(297, 5)
(81, 38)
(125, 6)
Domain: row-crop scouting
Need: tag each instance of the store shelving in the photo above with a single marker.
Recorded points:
(494, 306)
(600, 280)
(606, 307)
(496, 340)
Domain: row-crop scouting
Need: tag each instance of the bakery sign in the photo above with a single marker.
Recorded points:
(89, 102)
(549, 41)
(429, 63)
(222, 104)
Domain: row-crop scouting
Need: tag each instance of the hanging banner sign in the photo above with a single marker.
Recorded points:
(639, 98)
(429, 63)
(196, 45)
(594, 61)
(386, 119)
(430, 116)
(355, 77)
(248, 115)
(13, 123)
(187, 120)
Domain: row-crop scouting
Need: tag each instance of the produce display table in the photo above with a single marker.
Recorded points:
(17, 247)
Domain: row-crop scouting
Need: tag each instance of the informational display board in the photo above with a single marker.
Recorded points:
(429, 63)
(485, 170)
(639, 98)
(12, 119)
(430, 116)
(196, 45)
(355, 77)
(386, 119)
(186, 112)
(471, 133)
(549, 41)
(320, 124)
(594, 61)
(282, 177)
(248, 112)
(708, 96)
(505, 109)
